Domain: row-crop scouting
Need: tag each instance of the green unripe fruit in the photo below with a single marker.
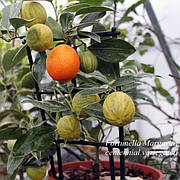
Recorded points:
(36, 173)
(88, 62)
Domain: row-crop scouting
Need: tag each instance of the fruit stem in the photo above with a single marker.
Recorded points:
(101, 132)
(57, 114)
(84, 152)
(79, 39)
(62, 95)
(55, 9)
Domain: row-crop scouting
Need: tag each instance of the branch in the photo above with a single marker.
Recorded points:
(2, 3)
(165, 48)
(84, 152)
(161, 110)
(73, 153)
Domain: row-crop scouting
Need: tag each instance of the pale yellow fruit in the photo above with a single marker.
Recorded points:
(118, 108)
(79, 101)
(69, 127)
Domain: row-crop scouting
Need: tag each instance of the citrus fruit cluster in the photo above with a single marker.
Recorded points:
(118, 109)
(63, 64)
(39, 36)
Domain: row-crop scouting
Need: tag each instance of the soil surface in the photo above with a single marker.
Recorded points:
(104, 174)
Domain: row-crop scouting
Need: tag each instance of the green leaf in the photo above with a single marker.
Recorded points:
(122, 1)
(83, 79)
(110, 70)
(130, 66)
(23, 71)
(83, 25)
(143, 96)
(95, 110)
(91, 35)
(25, 92)
(163, 91)
(94, 132)
(13, 56)
(147, 68)
(92, 9)
(137, 24)
(99, 79)
(10, 131)
(170, 99)
(39, 66)
(93, 17)
(98, 27)
(65, 20)
(55, 28)
(130, 86)
(27, 81)
(92, 2)
(124, 80)
(112, 50)
(135, 134)
(142, 50)
(53, 106)
(2, 86)
(94, 90)
(126, 19)
(21, 53)
(13, 112)
(130, 9)
(75, 7)
(176, 77)
(157, 82)
(144, 75)
(148, 41)
(36, 139)
(13, 164)
(19, 22)
(10, 11)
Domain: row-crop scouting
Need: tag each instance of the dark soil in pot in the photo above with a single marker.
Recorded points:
(83, 171)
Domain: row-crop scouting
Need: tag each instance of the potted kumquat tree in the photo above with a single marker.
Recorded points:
(72, 83)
